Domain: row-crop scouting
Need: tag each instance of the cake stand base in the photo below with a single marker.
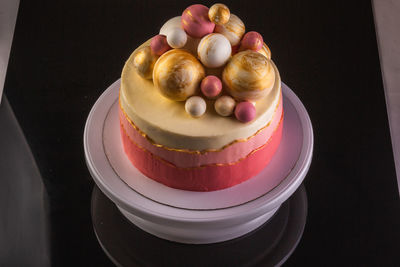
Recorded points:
(196, 217)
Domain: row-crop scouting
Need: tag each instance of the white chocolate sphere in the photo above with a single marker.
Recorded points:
(214, 50)
(176, 38)
(233, 30)
(225, 105)
(175, 22)
(195, 106)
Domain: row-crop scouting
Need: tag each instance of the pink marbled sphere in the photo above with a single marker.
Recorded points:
(211, 86)
(245, 111)
(159, 45)
(195, 21)
(253, 41)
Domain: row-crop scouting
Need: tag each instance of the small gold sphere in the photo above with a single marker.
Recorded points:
(178, 74)
(249, 76)
(219, 14)
(144, 62)
(265, 51)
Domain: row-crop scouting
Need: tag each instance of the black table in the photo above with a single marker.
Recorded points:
(65, 54)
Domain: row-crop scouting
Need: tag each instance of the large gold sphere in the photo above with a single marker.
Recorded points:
(144, 62)
(177, 74)
(249, 76)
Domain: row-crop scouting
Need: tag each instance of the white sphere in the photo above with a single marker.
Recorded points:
(176, 38)
(195, 106)
(214, 50)
(175, 22)
(224, 105)
(234, 29)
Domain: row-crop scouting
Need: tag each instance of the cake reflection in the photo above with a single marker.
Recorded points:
(269, 245)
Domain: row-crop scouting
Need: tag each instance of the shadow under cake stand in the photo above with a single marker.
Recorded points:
(196, 217)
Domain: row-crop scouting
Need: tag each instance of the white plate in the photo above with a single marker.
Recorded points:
(222, 214)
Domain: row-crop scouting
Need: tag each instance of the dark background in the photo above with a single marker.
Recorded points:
(66, 53)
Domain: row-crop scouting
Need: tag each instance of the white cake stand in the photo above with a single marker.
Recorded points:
(196, 217)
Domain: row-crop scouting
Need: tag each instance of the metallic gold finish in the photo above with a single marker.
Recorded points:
(265, 51)
(177, 74)
(233, 30)
(219, 14)
(205, 165)
(144, 62)
(194, 151)
(249, 76)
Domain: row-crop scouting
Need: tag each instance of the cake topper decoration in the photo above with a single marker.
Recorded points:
(195, 21)
(225, 105)
(195, 106)
(245, 111)
(144, 62)
(177, 74)
(208, 40)
(248, 76)
(211, 86)
(214, 50)
(233, 30)
(159, 45)
(219, 14)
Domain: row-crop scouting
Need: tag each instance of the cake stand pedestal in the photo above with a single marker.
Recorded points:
(196, 217)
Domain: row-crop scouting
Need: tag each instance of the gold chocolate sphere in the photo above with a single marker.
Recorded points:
(219, 14)
(178, 74)
(265, 51)
(144, 62)
(249, 76)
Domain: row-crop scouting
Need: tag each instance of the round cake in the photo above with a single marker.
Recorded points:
(179, 126)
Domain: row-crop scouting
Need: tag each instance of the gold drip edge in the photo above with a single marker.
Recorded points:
(205, 165)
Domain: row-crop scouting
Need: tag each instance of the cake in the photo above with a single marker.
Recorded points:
(200, 104)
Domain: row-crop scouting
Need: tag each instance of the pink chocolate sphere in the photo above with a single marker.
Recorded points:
(252, 41)
(195, 21)
(159, 45)
(211, 86)
(245, 111)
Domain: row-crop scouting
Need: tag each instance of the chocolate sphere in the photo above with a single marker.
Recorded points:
(159, 45)
(195, 106)
(177, 74)
(245, 111)
(176, 38)
(224, 105)
(249, 76)
(214, 50)
(144, 62)
(195, 21)
(219, 14)
(172, 23)
(211, 86)
(233, 30)
(265, 51)
(252, 40)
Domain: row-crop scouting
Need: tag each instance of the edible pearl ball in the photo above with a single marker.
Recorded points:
(233, 30)
(177, 74)
(159, 45)
(249, 76)
(219, 14)
(211, 86)
(252, 40)
(214, 50)
(265, 51)
(176, 38)
(245, 111)
(144, 62)
(225, 105)
(175, 22)
(195, 106)
(195, 21)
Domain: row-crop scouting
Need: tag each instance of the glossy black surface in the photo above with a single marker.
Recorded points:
(65, 54)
